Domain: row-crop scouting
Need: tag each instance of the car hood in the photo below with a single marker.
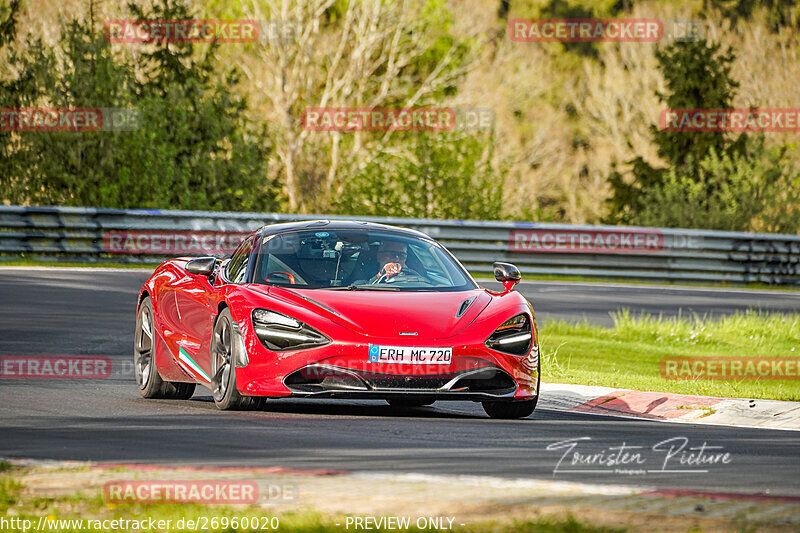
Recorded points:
(431, 315)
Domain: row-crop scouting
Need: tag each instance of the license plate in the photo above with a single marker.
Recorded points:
(407, 355)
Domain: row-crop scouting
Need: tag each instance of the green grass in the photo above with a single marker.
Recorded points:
(77, 507)
(9, 492)
(628, 355)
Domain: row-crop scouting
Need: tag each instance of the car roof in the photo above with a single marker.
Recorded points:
(284, 227)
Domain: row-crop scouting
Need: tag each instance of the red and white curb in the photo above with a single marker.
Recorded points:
(670, 407)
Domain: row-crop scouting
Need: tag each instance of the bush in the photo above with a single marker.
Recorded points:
(713, 180)
(435, 175)
(193, 148)
(754, 191)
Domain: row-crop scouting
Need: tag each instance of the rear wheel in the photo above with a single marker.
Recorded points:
(510, 410)
(403, 403)
(147, 378)
(223, 384)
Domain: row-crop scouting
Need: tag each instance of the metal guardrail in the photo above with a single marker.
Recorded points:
(147, 236)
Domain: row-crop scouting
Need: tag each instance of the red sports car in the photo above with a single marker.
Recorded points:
(336, 309)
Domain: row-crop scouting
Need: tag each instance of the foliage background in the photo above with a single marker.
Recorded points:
(571, 122)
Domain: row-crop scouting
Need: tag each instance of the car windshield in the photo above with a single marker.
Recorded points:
(358, 260)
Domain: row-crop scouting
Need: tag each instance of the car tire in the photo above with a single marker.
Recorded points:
(223, 383)
(510, 410)
(148, 379)
(404, 403)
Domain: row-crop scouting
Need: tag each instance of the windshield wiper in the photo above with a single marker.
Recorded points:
(362, 288)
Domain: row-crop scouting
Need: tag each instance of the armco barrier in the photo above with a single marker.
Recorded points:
(146, 236)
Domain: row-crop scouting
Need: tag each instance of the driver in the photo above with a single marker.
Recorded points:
(392, 258)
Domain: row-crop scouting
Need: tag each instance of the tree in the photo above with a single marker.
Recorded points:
(349, 53)
(697, 76)
(437, 176)
(193, 148)
(756, 190)
(712, 180)
(779, 12)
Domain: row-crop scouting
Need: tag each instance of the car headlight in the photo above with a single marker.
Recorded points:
(279, 332)
(514, 336)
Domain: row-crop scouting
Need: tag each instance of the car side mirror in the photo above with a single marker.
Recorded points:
(203, 266)
(507, 274)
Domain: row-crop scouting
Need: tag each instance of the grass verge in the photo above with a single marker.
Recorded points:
(629, 354)
(78, 514)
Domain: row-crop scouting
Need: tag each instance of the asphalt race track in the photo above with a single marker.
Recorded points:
(82, 312)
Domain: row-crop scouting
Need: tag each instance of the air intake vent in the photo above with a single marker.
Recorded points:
(464, 306)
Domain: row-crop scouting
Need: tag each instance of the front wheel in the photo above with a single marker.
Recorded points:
(510, 410)
(223, 384)
(144, 362)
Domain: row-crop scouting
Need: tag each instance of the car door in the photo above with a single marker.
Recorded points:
(200, 299)
(196, 303)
